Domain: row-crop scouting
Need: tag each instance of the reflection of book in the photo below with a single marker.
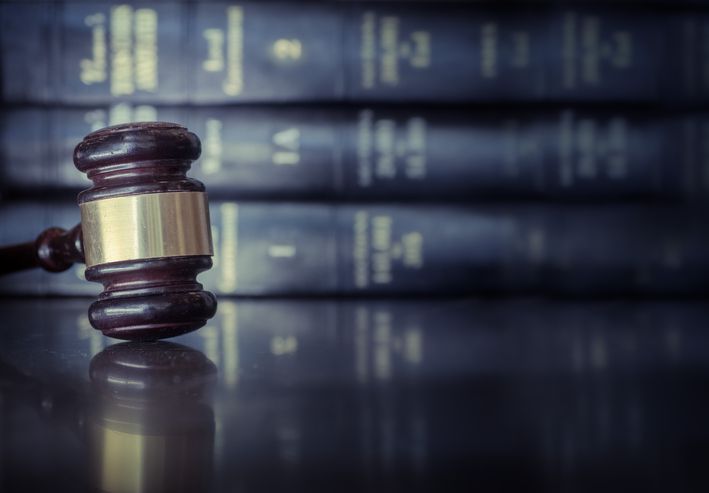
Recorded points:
(202, 52)
(327, 341)
(425, 385)
(319, 249)
(387, 153)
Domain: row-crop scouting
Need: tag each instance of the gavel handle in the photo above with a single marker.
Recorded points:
(55, 250)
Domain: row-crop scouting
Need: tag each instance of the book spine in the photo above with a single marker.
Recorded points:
(267, 249)
(380, 153)
(318, 249)
(203, 52)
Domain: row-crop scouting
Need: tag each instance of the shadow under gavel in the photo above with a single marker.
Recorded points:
(144, 233)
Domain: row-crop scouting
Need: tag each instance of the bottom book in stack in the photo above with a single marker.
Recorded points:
(270, 249)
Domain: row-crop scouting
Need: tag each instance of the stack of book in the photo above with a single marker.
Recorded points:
(384, 148)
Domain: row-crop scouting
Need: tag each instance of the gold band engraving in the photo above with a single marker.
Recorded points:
(137, 227)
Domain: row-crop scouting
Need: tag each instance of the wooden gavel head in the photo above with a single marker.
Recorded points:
(144, 233)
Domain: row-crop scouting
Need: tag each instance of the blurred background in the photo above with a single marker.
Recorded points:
(457, 244)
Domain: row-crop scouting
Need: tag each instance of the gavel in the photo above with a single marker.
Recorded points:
(144, 233)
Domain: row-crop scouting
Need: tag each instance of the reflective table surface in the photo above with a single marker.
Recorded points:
(318, 395)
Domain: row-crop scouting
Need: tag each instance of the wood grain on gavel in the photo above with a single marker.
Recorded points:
(144, 232)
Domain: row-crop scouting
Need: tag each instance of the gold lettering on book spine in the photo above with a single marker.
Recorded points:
(94, 69)
(122, 51)
(234, 83)
(229, 248)
(146, 50)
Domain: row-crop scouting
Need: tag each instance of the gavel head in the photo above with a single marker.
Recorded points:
(146, 231)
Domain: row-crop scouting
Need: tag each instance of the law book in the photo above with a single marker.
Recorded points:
(202, 52)
(269, 249)
(379, 152)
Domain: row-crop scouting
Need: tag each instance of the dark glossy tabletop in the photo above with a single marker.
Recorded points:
(317, 395)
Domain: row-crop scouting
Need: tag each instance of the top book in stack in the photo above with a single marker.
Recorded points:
(100, 52)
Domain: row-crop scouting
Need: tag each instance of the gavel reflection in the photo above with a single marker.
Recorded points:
(150, 427)
(148, 423)
(144, 233)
